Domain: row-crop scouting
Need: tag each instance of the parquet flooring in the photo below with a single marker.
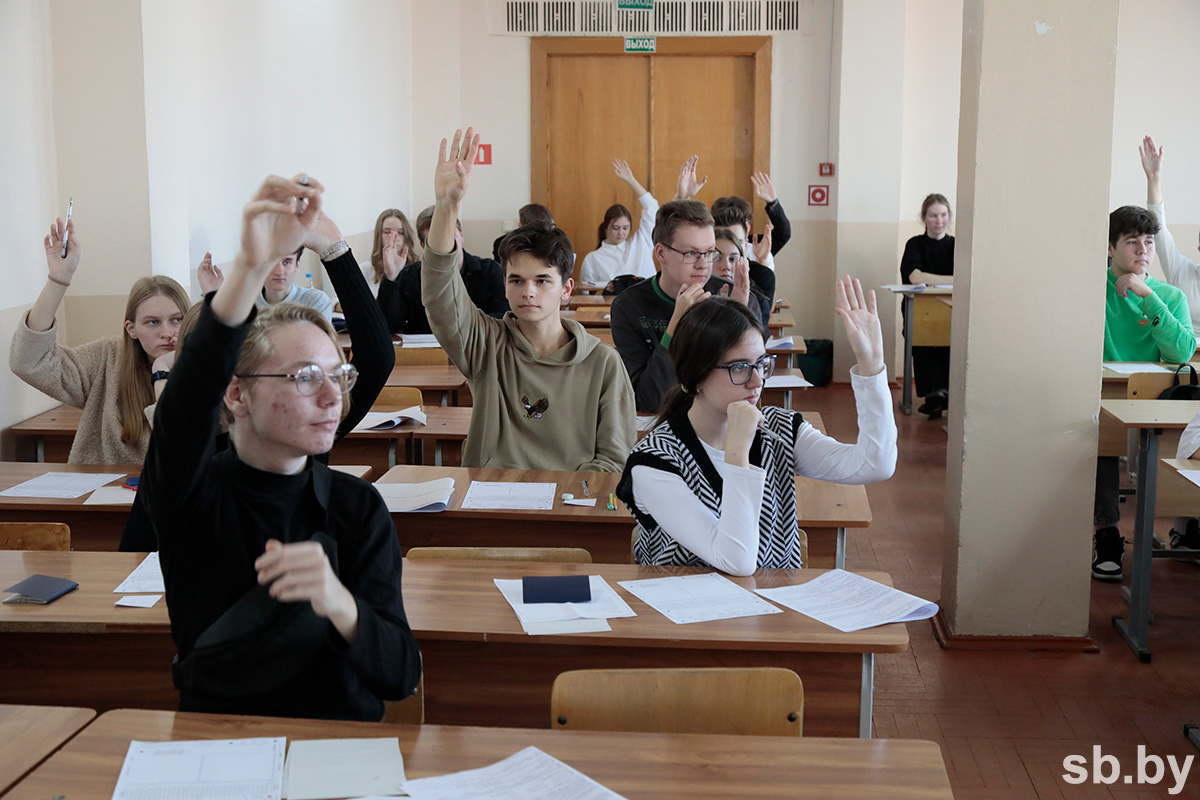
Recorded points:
(1006, 721)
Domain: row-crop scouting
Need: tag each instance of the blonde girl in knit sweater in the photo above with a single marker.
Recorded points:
(109, 378)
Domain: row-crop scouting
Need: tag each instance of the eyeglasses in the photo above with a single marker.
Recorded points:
(310, 379)
(691, 256)
(739, 373)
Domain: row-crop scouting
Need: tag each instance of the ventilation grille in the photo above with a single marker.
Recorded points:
(667, 18)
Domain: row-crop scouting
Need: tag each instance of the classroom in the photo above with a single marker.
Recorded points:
(159, 119)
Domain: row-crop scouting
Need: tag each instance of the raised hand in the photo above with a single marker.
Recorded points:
(763, 187)
(300, 571)
(58, 269)
(862, 324)
(1151, 157)
(762, 247)
(393, 256)
(621, 167)
(453, 173)
(689, 295)
(323, 234)
(275, 222)
(689, 187)
(208, 275)
(741, 282)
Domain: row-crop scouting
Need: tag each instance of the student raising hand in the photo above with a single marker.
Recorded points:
(61, 270)
(208, 275)
(450, 181)
(862, 325)
(688, 186)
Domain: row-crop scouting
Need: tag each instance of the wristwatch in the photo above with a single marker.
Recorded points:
(159, 375)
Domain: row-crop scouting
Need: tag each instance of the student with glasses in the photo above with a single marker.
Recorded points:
(712, 484)
(644, 316)
(282, 576)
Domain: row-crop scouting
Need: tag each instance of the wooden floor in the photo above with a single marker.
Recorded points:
(1006, 721)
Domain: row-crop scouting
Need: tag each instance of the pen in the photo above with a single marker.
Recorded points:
(70, 205)
(585, 489)
(612, 502)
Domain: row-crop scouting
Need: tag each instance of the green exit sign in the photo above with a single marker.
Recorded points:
(640, 44)
(635, 5)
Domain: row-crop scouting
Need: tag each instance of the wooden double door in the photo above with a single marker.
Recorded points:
(593, 103)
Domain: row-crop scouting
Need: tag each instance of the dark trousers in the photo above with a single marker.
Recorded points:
(1107, 510)
(931, 369)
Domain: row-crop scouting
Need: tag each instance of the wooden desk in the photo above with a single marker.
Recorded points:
(640, 766)
(92, 527)
(590, 301)
(1150, 418)
(81, 650)
(598, 317)
(447, 380)
(926, 314)
(52, 432)
(382, 449)
(789, 353)
(781, 395)
(31, 733)
(779, 321)
(481, 668)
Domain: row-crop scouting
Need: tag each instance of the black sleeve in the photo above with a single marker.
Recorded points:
(186, 420)
(782, 232)
(912, 259)
(373, 354)
(650, 368)
(762, 280)
(497, 302)
(391, 304)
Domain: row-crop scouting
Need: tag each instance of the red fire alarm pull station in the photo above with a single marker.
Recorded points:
(484, 154)
(826, 170)
(818, 195)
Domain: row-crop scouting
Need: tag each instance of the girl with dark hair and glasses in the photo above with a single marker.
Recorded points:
(712, 484)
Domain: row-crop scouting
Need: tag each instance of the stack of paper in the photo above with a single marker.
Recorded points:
(1131, 367)
(427, 496)
(851, 602)
(510, 496)
(528, 775)
(111, 496)
(386, 420)
(787, 381)
(329, 768)
(698, 598)
(146, 578)
(550, 618)
(421, 340)
(61, 485)
(780, 343)
(250, 769)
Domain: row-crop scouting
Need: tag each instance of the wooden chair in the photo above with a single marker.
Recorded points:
(421, 356)
(1149, 385)
(35, 536)
(409, 711)
(558, 555)
(395, 398)
(762, 701)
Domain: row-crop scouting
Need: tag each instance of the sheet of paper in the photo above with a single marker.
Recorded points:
(146, 577)
(904, 287)
(248, 769)
(386, 420)
(323, 768)
(528, 775)
(139, 600)
(566, 626)
(427, 497)
(62, 485)
(510, 495)
(421, 340)
(581, 501)
(1131, 367)
(605, 603)
(1192, 475)
(111, 496)
(698, 598)
(851, 602)
(786, 382)
(645, 423)
(785, 341)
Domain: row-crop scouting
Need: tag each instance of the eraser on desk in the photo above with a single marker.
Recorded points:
(556, 589)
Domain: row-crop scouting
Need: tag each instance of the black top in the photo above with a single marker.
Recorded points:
(935, 256)
(782, 232)
(373, 356)
(400, 299)
(215, 514)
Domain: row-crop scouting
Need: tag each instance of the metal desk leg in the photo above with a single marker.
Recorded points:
(866, 700)
(437, 452)
(839, 552)
(41, 449)
(906, 393)
(392, 443)
(445, 398)
(1135, 632)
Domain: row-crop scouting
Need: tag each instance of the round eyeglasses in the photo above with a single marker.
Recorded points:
(691, 256)
(310, 378)
(739, 373)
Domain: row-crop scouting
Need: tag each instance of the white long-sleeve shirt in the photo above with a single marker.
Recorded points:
(634, 256)
(1180, 271)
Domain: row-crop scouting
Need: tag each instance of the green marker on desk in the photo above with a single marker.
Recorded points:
(612, 502)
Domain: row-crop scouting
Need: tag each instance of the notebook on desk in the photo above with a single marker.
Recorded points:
(39, 590)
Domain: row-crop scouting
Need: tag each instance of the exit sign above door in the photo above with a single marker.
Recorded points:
(635, 5)
(641, 44)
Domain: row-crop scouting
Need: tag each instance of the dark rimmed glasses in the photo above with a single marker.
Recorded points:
(691, 256)
(739, 372)
(310, 378)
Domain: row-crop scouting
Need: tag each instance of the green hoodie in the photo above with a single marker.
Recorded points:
(1153, 328)
(570, 410)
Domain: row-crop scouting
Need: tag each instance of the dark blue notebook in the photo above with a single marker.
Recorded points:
(39, 590)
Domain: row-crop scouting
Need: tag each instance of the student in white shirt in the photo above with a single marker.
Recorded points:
(619, 251)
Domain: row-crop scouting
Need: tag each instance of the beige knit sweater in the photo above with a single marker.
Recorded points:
(85, 377)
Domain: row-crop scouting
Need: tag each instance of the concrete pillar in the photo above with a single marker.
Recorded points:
(1035, 140)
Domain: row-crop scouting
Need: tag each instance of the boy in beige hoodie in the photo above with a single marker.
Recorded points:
(546, 393)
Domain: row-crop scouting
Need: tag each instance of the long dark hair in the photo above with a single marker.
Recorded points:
(617, 211)
(708, 330)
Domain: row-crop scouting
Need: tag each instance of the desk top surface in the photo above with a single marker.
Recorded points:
(1150, 413)
(14, 472)
(441, 422)
(63, 419)
(635, 765)
(30, 733)
(434, 377)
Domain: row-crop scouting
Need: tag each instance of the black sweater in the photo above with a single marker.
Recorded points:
(935, 256)
(215, 514)
(401, 303)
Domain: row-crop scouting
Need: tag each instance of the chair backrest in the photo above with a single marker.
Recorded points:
(395, 398)
(421, 357)
(763, 701)
(409, 711)
(560, 555)
(1147, 385)
(35, 536)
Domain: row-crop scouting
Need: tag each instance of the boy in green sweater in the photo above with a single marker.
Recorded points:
(1144, 320)
(546, 393)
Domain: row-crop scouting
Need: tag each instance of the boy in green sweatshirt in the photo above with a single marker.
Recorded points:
(1144, 320)
(546, 393)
